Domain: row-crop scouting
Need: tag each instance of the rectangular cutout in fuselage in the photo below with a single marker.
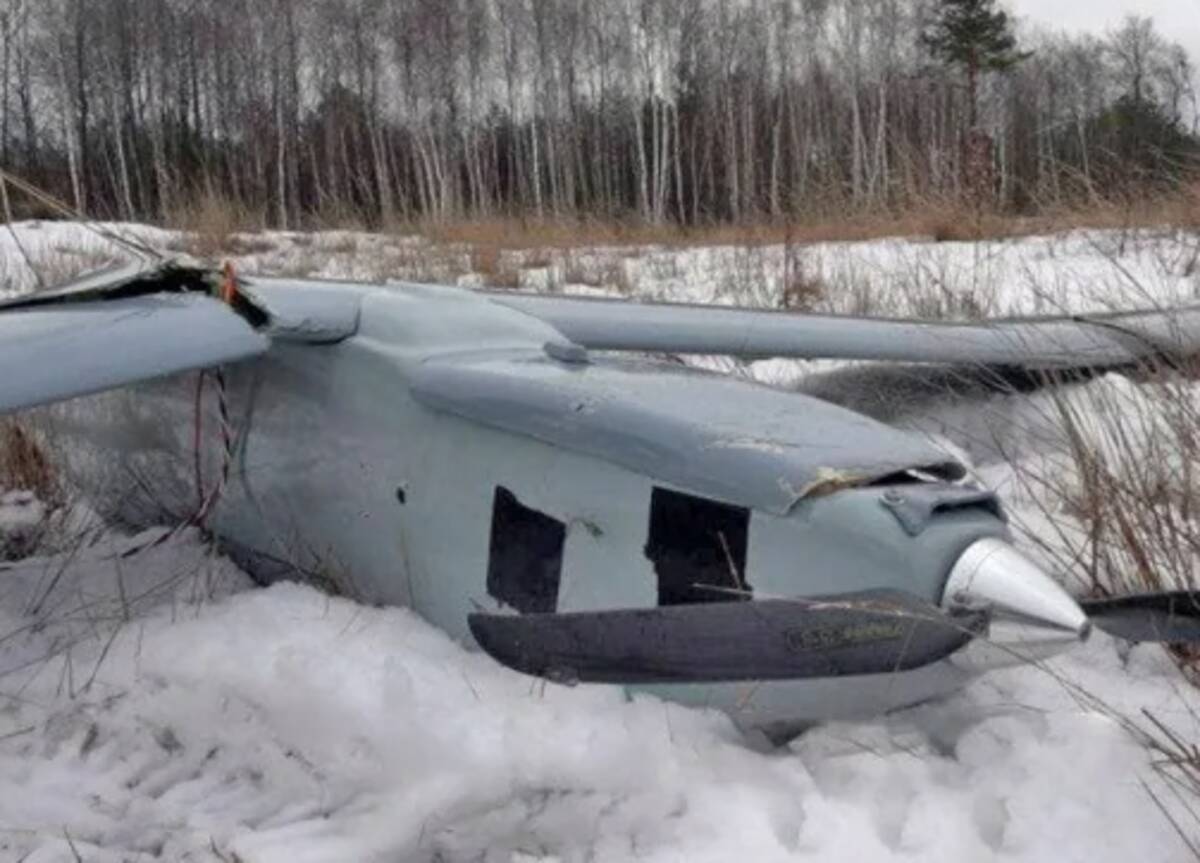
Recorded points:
(524, 555)
(698, 548)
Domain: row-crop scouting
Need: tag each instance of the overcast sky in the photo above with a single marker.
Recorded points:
(1178, 20)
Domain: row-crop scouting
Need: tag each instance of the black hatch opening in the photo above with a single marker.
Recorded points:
(698, 548)
(524, 556)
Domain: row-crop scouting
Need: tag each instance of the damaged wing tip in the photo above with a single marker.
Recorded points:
(178, 275)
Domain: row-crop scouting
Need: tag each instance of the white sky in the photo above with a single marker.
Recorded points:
(1177, 20)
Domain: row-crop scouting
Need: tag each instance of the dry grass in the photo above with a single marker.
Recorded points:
(24, 464)
(497, 269)
(1116, 472)
(939, 219)
(50, 268)
(618, 255)
(421, 263)
(526, 234)
(614, 254)
(1116, 503)
(1108, 488)
(803, 285)
(65, 264)
(211, 223)
(1126, 475)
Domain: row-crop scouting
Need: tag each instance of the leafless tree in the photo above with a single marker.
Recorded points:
(690, 111)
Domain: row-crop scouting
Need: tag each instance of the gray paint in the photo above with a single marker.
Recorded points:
(915, 505)
(329, 427)
(725, 438)
(850, 541)
(305, 311)
(60, 351)
(1096, 340)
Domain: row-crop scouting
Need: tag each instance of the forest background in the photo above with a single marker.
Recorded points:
(684, 114)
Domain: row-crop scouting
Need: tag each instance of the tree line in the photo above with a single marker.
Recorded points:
(688, 111)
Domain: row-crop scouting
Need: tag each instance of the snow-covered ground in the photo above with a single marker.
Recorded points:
(203, 719)
(160, 706)
(1073, 271)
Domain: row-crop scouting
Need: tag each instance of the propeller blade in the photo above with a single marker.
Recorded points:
(1170, 616)
(873, 632)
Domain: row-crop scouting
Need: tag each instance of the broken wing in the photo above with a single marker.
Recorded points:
(116, 329)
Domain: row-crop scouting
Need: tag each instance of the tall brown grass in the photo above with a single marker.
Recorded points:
(211, 222)
(499, 251)
(1116, 496)
(24, 464)
(938, 219)
(1128, 474)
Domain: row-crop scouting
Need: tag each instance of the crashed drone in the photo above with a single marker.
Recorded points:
(517, 470)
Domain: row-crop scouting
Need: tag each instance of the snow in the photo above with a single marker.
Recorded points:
(20, 511)
(281, 724)
(1072, 271)
(156, 704)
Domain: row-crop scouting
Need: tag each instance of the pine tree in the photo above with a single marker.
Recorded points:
(977, 36)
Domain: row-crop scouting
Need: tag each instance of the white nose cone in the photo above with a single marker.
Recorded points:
(1032, 616)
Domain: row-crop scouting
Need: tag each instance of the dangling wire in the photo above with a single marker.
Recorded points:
(209, 500)
(206, 500)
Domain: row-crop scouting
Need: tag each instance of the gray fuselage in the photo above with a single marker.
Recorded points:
(372, 464)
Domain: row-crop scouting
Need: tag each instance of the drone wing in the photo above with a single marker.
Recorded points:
(134, 324)
(1046, 343)
(116, 329)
